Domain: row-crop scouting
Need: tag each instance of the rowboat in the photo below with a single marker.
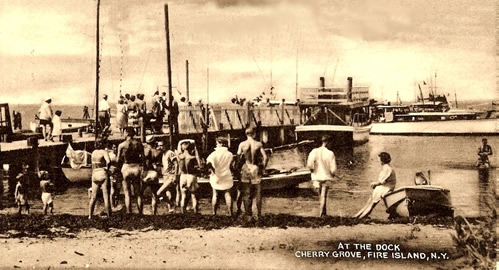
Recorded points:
(422, 200)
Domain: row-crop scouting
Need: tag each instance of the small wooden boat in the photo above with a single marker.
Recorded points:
(279, 180)
(422, 200)
(76, 165)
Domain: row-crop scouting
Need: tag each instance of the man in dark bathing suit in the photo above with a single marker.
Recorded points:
(131, 154)
(100, 177)
(250, 151)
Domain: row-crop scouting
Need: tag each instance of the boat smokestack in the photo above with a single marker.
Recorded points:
(350, 86)
(322, 82)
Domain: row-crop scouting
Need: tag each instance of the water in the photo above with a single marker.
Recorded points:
(451, 161)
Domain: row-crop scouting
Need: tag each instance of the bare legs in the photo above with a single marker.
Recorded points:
(93, 198)
(250, 191)
(132, 185)
(367, 209)
(228, 201)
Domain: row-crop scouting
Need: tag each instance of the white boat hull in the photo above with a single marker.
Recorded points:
(355, 135)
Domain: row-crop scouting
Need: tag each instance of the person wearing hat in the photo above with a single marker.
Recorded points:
(104, 113)
(150, 178)
(131, 155)
(386, 183)
(322, 163)
(21, 194)
(45, 115)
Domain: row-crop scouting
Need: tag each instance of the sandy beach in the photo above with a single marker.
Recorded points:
(206, 242)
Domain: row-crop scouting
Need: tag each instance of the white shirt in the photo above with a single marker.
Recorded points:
(322, 162)
(221, 159)
(387, 176)
(104, 106)
(46, 111)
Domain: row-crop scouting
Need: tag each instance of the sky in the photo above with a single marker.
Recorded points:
(243, 47)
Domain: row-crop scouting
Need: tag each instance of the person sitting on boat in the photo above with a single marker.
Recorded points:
(131, 154)
(100, 177)
(21, 194)
(251, 153)
(322, 163)
(386, 183)
(47, 192)
(150, 178)
(169, 171)
(484, 151)
(420, 179)
(219, 163)
(189, 161)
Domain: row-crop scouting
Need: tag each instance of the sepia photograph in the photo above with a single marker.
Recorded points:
(249, 134)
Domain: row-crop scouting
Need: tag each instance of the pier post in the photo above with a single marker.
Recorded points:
(142, 130)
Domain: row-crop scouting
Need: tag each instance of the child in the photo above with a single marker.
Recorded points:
(21, 194)
(47, 192)
(56, 122)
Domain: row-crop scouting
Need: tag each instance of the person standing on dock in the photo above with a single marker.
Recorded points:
(219, 163)
(56, 123)
(153, 158)
(484, 151)
(45, 116)
(131, 154)
(100, 177)
(174, 113)
(121, 116)
(86, 115)
(322, 162)
(253, 155)
(104, 113)
(386, 183)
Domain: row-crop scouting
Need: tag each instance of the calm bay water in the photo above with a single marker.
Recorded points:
(451, 161)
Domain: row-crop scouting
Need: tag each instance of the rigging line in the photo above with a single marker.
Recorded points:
(145, 68)
(121, 64)
(256, 63)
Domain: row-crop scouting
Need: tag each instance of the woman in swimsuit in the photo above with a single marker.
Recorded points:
(100, 167)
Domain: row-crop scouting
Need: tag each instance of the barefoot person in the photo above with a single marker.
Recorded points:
(115, 177)
(169, 171)
(153, 158)
(100, 177)
(21, 194)
(131, 154)
(251, 152)
(47, 189)
(221, 177)
(188, 162)
(386, 183)
(322, 162)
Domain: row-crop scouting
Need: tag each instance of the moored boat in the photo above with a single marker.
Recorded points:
(420, 200)
(341, 113)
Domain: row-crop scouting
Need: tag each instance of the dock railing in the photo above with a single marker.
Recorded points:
(235, 117)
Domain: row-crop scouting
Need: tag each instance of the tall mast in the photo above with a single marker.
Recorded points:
(187, 78)
(97, 74)
(169, 65)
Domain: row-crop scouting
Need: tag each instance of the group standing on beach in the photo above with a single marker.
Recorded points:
(146, 166)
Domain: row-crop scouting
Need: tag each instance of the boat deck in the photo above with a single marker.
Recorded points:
(438, 128)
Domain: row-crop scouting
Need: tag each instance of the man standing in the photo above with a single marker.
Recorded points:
(221, 177)
(322, 162)
(484, 151)
(153, 159)
(46, 115)
(131, 154)
(104, 113)
(100, 177)
(255, 160)
(174, 113)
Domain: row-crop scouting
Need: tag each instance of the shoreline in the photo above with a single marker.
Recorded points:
(194, 242)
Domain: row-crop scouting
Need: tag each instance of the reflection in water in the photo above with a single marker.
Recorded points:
(450, 159)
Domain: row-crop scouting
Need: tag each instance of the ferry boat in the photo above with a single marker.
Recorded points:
(342, 113)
